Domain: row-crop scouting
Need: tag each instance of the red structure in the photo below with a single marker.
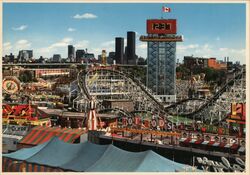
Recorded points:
(40, 134)
(212, 63)
(23, 113)
(92, 119)
(161, 26)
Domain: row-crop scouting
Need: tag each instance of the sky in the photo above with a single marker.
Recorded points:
(209, 30)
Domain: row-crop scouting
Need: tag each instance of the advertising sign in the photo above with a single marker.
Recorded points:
(161, 26)
(214, 129)
(238, 111)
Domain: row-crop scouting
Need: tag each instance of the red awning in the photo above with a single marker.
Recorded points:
(235, 146)
(222, 145)
(41, 134)
(187, 140)
(116, 135)
(198, 141)
(211, 143)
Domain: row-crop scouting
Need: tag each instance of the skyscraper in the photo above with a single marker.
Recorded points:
(119, 50)
(111, 57)
(80, 55)
(71, 53)
(25, 55)
(56, 58)
(131, 58)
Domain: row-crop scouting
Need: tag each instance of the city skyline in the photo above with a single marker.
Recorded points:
(95, 26)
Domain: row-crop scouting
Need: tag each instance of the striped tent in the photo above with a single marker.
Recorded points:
(41, 134)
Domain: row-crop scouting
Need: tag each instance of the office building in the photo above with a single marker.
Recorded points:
(71, 53)
(111, 57)
(56, 58)
(25, 55)
(119, 50)
(80, 55)
(131, 57)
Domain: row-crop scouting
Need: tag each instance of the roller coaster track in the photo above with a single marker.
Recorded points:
(121, 111)
(82, 82)
(217, 95)
(158, 107)
(181, 102)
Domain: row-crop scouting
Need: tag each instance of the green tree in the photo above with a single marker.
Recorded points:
(26, 76)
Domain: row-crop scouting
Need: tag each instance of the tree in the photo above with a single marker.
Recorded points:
(26, 76)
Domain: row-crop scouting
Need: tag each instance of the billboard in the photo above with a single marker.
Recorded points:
(238, 111)
(161, 26)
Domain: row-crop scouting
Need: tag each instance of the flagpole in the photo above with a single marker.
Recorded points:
(162, 11)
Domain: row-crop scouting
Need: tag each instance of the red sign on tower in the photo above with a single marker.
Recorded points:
(161, 26)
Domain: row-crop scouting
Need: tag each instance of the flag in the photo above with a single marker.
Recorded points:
(166, 9)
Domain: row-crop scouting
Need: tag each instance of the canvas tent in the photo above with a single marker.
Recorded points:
(56, 155)
(41, 134)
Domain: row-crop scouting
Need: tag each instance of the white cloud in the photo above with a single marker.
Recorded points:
(110, 43)
(22, 44)
(61, 47)
(181, 48)
(81, 44)
(71, 29)
(142, 46)
(63, 43)
(206, 50)
(109, 46)
(20, 28)
(7, 47)
(85, 16)
(223, 49)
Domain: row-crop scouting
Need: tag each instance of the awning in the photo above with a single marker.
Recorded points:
(182, 139)
(187, 140)
(242, 149)
(227, 145)
(235, 146)
(222, 145)
(41, 134)
(216, 144)
(198, 142)
(192, 141)
(116, 135)
(205, 142)
(211, 143)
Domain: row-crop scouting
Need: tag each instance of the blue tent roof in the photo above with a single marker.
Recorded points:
(118, 160)
(89, 154)
(25, 153)
(94, 158)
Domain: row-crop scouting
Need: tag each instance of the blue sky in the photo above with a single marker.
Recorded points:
(210, 30)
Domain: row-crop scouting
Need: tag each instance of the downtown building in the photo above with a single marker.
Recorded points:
(130, 49)
(119, 50)
(80, 55)
(71, 53)
(25, 55)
